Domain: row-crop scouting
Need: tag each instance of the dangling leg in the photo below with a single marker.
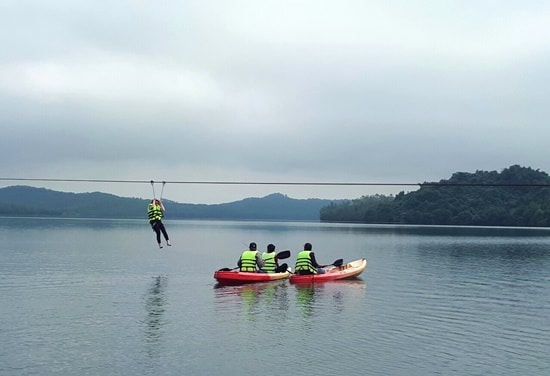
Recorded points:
(157, 232)
(163, 229)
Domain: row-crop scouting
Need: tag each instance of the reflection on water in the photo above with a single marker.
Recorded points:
(254, 303)
(257, 300)
(310, 297)
(305, 298)
(250, 297)
(76, 224)
(155, 306)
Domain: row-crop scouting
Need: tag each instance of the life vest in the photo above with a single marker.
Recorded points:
(155, 213)
(303, 262)
(248, 261)
(269, 262)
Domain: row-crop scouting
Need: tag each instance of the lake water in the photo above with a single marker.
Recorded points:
(97, 297)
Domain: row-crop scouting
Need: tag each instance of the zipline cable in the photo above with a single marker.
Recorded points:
(206, 182)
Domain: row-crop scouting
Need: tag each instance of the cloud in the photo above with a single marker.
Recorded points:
(108, 78)
(272, 90)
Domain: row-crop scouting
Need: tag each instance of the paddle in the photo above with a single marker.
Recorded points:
(338, 262)
(280, 256)
(283, 255)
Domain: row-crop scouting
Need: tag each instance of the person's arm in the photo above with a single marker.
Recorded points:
(162, 206)
(259, 260)
(239, 262)
(314, 261)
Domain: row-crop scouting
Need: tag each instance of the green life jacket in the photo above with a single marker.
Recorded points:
(303, 262)
(154, 212)
(269, 262)
(248, 261)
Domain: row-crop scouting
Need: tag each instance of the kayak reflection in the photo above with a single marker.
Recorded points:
(258, 300)
(337, 293)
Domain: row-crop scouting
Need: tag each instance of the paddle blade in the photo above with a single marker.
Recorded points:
(338, 262)
(283, 255)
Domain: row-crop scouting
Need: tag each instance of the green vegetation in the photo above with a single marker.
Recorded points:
(517, 196)
(40, 202)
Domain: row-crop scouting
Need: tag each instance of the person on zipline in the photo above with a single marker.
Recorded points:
(155, 210)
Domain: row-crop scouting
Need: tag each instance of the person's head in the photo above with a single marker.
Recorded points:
(252, 246)
(307, 247)
(270, 248)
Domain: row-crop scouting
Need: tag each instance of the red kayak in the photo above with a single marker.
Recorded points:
(350, 270)
(235, 277)
(228, 276)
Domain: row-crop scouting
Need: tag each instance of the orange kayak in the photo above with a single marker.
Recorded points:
(350, 270)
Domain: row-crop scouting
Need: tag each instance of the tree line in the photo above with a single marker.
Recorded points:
(516, 196)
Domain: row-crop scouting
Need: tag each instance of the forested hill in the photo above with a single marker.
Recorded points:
(30, 201)
(517, 196)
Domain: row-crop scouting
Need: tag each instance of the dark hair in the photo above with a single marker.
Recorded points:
(252, 246)
(307, 247)
(270, 248)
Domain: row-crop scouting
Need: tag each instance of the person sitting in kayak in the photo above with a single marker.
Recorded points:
(249, 259)
(306, 263)
(271, 263)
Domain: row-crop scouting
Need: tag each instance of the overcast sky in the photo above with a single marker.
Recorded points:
(270, 91)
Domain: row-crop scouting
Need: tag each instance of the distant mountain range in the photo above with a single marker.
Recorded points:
(515, 196)
(31, 201)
